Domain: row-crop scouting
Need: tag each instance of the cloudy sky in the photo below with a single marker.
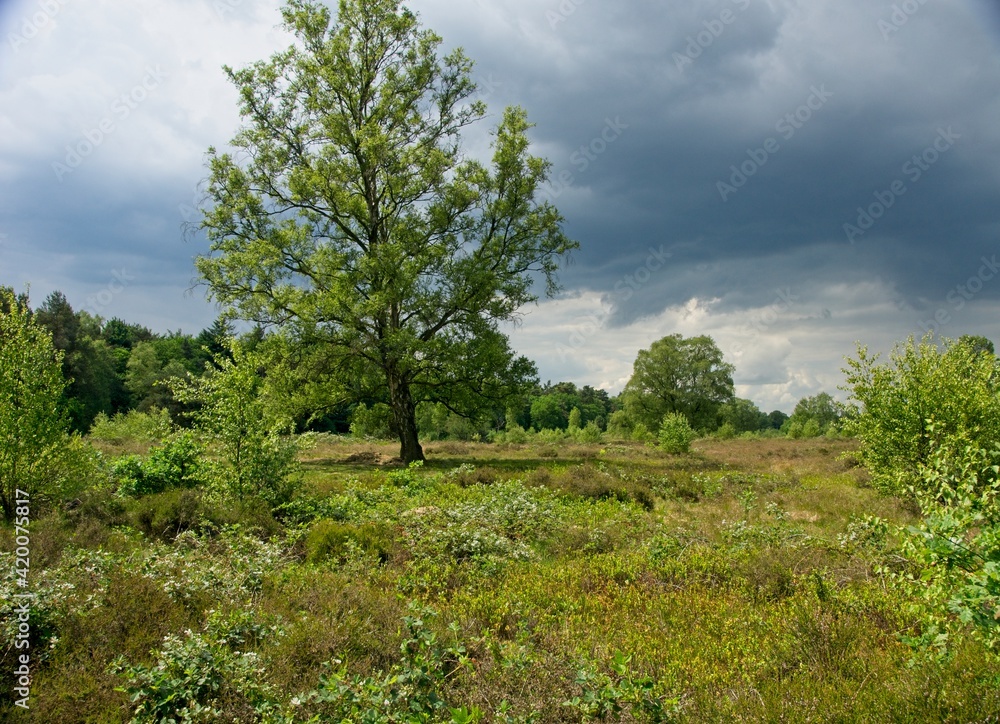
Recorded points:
(789, 177)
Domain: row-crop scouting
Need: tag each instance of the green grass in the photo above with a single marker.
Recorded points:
(733, 580)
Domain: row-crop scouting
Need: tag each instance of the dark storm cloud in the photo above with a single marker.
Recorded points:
(752, 133)
(702, 150)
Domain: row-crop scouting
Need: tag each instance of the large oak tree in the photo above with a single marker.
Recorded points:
(348, 216)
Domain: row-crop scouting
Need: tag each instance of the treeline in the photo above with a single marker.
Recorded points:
(113, 367)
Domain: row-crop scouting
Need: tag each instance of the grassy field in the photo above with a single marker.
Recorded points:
(746, 581)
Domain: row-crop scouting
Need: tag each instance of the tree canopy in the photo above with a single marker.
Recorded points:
(679, 375)
(349, 218)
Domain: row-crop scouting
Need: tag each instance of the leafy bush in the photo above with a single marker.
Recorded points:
(333, 539)
(513, 435)
(590, 434)
(955, 388)
(612, 695)
(174, 464)
(414, 690)
(956, 548)
(132, 426)
(203, 677)
(811, 428)
(675, 434)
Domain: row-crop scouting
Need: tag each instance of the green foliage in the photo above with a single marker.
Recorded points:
(31, 386)
(954, 388)
(202, 677)
(332, 539)
(174, 464)
(679, 375)
(514, 434)
(811, 428)
(413, 691)
(372, 423)
(742, 416)
(675, 435)
(575, 420)
(620, 425)
(956, 547)
(400, 284)
(589, 434)
(606, 695)
(813, 416)
(133, 426)
(147, 378)
(88, 363)
(258, 458)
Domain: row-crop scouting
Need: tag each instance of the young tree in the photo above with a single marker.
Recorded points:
(31, 388)
(258, 459)
(350, 217)
(686, 376)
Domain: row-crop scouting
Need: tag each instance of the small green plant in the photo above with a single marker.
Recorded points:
(605, 695)
(675, 436)
(414, 690)
(202, 677)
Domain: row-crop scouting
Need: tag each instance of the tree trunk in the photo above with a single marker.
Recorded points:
(404, 413)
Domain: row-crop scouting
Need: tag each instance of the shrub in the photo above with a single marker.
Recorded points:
(332, 539)
(726, 431)
(640, 433)
(237, 411)
(589, 434)
(203, 676)
(620, 425)
(811, 428)
(174, 464)
(132, 426)
(955, 388)
(675, 434)
(957, 546)
(514, 435)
